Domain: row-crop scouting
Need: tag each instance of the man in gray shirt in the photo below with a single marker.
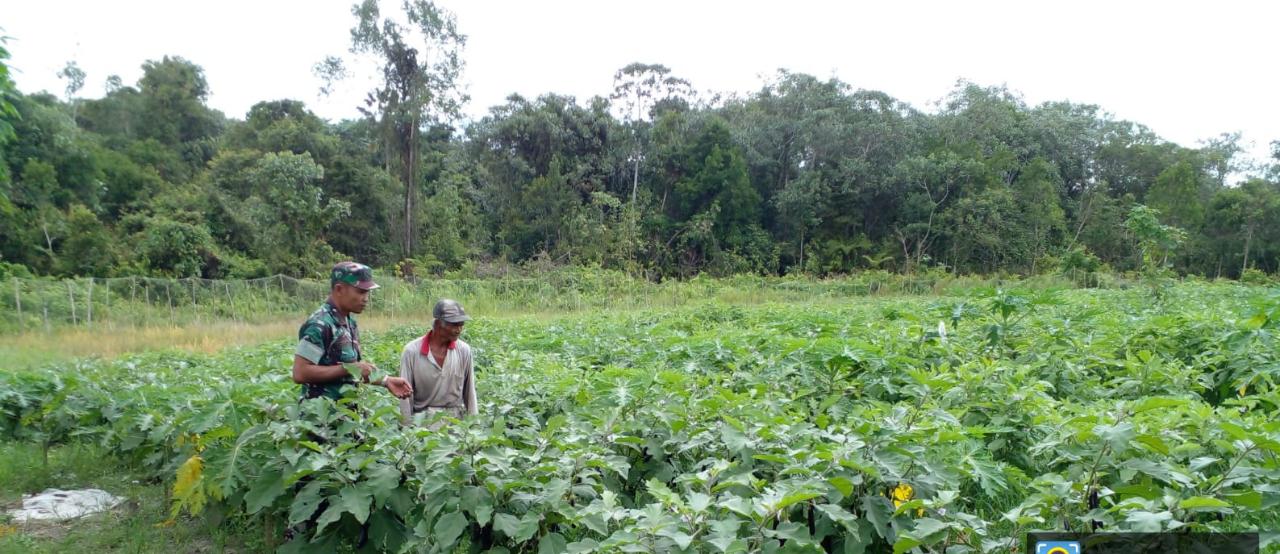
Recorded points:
(439, 367)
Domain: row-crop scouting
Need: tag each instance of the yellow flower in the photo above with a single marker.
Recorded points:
(901, 494)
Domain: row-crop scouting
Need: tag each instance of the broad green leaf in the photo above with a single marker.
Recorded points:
(774, 458)
(382, 480)
(1118, 435)
(989, 475)
(355, 500)
(878, 511)
(528, 526)
(1199, 502)
(926, 527)
(1142, 490)
(838, 515)
(792, 532)
(681, 539)
(448, 528)
(479, 502)
(354, 371)
(594, 522)
(1147, 522)
(1248, 499)
(552, 543)
(842, 484)
(1232, 430)
(724, 534)
(795, 498)
(518, 529)
(698, 502)
(908, 506)
(733, 439)
(584, 546)
(905, 543)
(268, 487)
(740, 506)
(331, 514)
(1153, 442)
(305, 503)
(857, 542)
(1157, 402)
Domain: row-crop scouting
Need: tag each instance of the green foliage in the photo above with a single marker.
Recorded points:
(283, 125)
(173, 91)
(293, 213)
(177, 249)
(1156, 241)
(88, 250)
(906, 423)
(804, 175)
(7, 93)
(1176, 193)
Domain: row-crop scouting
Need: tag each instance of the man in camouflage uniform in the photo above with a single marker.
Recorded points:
(330, 339)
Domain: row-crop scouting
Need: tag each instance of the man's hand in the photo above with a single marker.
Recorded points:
(365, 369)
(398, 386)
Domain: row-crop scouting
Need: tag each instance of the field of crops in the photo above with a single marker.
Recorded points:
(930, 424)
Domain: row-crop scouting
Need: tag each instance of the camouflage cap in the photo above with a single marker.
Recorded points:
(449, 311)
(354, 274)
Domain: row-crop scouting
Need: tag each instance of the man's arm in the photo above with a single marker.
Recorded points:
(469, 387)
(313, 339)
(406, 373)
(305, 371)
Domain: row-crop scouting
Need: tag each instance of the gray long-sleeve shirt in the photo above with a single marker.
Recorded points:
(450, 387)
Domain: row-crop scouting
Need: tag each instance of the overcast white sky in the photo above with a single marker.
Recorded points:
(1188, 71)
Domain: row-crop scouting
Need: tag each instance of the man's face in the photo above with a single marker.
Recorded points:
(450, 331)
(350, 299)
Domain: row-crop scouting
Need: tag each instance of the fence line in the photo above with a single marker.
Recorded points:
(149, 301)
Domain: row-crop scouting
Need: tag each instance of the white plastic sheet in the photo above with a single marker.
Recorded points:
(55, 504)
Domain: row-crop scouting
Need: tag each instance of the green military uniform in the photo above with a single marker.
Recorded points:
(327, 338)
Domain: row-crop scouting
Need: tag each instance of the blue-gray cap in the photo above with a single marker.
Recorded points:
(449, 311)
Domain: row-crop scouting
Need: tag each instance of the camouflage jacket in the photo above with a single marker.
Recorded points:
(328, 339)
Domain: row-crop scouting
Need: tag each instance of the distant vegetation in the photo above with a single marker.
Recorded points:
(803, 175)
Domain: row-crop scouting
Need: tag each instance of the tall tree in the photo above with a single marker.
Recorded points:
(292, 212)
(638, 88)
(174, 91)
(1176, 193)
(8, 113)
(1036, 193)
(417, 51)
(75, 81)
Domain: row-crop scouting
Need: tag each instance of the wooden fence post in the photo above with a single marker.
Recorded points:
(72, 298)
(17, 299)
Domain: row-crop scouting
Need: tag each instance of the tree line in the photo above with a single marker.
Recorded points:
(803, 175)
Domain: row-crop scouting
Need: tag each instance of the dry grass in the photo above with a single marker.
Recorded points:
(32, 349)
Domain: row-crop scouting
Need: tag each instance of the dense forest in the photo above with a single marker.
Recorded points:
(802, 175)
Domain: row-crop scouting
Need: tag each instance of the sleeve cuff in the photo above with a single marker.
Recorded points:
(309, 351)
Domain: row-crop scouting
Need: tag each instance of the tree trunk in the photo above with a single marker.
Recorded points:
(1248, 238)
(1084, 217)
(44, 226)
(408, 157)
(802, 249)
(635, 179)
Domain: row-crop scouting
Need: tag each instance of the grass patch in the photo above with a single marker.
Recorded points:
(137, 525)
(27, 351)
(34, 349)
